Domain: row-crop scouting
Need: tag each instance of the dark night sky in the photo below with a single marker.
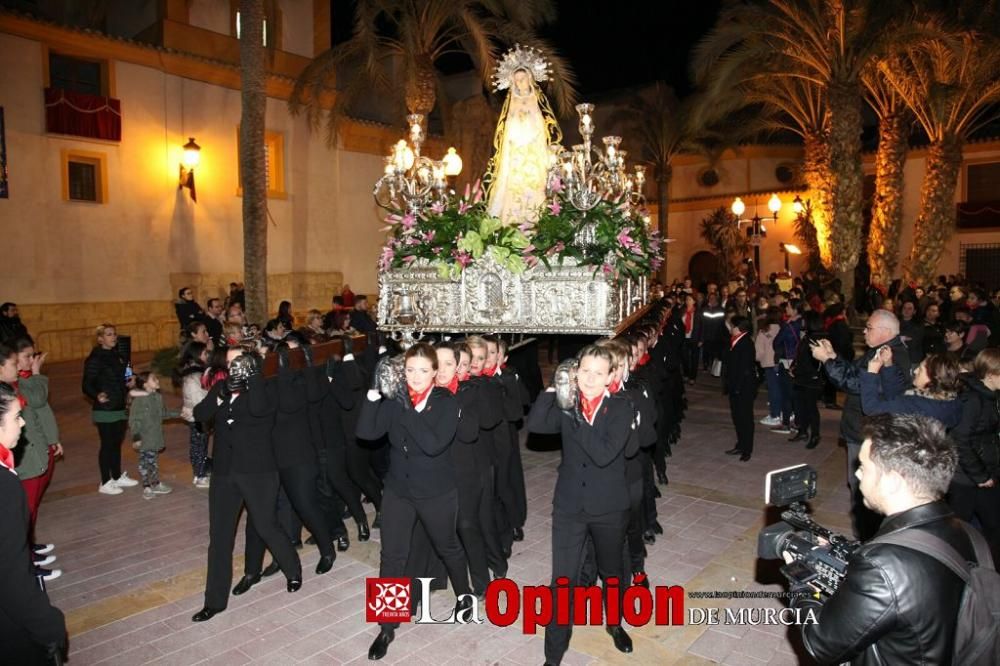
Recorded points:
(613, 43)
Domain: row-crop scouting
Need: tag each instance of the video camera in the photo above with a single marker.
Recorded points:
(820, 555)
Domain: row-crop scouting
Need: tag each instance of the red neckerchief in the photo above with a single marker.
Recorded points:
(644, 359)
(24, 374)
(20, 397)
(589, 407)
(452, 385)
(6, 457)
(734, 339)
(830, 321)
(490, 371)
(417, 398)
(688, 321)
(615, 386)
(210, 379)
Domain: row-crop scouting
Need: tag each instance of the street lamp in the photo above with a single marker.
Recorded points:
(787, 249)
(756, 231)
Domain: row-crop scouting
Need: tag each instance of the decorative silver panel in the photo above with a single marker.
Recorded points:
(488, 298)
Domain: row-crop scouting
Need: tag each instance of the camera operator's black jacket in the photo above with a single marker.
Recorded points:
(976, 434)
(847, 376)
(895, 605)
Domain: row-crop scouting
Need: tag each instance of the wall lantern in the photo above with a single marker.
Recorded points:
(789, 249)
(190, 160)
(797, 206)
(452, 163)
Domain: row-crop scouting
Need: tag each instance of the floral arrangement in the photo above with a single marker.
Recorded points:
(612, 237)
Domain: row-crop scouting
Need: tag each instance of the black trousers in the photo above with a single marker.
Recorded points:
(519, 495)
(690, 352)
(226, 497)
(741, 411)
(299, 485)
(807, 408)
(866, 521)
(477, 531)
(636, 526)
(109, 458)
(340, 482)
(569, 536)
(969, 501)
(503, 503)
(439, 517)
(648, 487)
(361, 473)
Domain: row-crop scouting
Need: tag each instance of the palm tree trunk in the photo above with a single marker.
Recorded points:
(936, 220)
(253, 73)
(421, 87)
(848, 181)
(816, 172)
(887, 209)
(662, 213)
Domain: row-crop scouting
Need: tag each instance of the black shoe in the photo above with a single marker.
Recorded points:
(507, 552)
(364, 533)
(380, 646)
(297, 544)
(656, 493)
(518, 534)
(800, 436)
(294, 584)
(745, 457)
(311, 541)
(245, 584)
(377, 523)
(462, 605)
(813, 443)
(734, 452)
(271, 569)
(649, 538)
(622, 642)
(206, 614)
(656, 527)
(343, 543)
(661, 478)
(325, 563)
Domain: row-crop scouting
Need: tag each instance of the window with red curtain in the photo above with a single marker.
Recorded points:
(83, 114)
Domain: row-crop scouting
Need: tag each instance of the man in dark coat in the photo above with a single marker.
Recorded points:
(186, 308)
(740, 383)
(360, 319)
(10, 323)
(882, 329)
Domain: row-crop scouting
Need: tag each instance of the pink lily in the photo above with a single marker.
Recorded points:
(409, 259)
(386, 259)
(530, 261)
(554, 207)
(478, 189)
(463, 258)
(556, 185)
(463, 207)
(409, 221)
(438, 208)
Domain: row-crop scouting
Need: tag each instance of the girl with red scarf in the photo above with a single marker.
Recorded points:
(32, 630)
(421, 422)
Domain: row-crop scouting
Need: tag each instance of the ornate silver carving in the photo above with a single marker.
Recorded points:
(488, 298)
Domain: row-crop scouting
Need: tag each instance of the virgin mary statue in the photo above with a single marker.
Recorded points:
(516, 175)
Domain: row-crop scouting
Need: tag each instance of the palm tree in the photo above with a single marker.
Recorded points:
(952, 86)
(253, 174)
(721, 230)
(894, 122)
(815, 51)
(418, 35)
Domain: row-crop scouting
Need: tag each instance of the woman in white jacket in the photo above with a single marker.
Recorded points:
(192, 367)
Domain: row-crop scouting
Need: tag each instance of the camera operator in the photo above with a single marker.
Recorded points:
(881, 330)
(896, 605)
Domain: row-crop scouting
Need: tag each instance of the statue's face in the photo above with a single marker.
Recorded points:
(522, 81)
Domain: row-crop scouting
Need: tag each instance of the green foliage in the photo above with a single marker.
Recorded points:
(165, 361)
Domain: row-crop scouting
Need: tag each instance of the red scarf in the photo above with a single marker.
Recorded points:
(830, 321)
(615, 386)
(688, 321)
(210, 379)
(417, 398)
(6, 457)
(589, 407)
(20, 397)
(452, 385)
(644, 359)
(24, 374)
(734, 339)
(490, 371)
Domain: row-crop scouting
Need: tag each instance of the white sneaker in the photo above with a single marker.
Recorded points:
(147, 493)
(767, 420)
(43, 548)
(48, 574)
(45, 561)
(162, 489)
(202, 482)
(110, 488)
(124, 482)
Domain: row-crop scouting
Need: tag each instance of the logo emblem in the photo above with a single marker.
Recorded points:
(387, 599)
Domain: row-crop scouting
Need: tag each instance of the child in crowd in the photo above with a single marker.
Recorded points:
(192, 367)
(145, 420)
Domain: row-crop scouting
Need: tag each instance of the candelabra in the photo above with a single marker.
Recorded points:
(588, 175)
(411, 181)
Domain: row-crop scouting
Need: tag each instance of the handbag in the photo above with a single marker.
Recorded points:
(717, 367)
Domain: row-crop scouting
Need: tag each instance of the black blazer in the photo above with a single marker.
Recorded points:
(242, 428)
(27, 620)
(645, 430)
(335, 391)
(291, 436)
(491, 414)
(740, 369)
(104, 372)
(417, 441)
(592, 471)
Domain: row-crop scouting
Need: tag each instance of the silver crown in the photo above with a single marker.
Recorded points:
(521, 57)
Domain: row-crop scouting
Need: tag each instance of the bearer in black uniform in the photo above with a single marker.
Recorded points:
(516, 403)
(591, 497)
(421, 421)
(739, 380)
(244, 472)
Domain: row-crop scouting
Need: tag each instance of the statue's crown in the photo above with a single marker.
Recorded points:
(521, 57)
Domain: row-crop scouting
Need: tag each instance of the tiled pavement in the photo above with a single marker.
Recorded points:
(133, 570)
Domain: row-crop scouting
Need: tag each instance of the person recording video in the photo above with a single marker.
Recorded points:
(895, 605)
